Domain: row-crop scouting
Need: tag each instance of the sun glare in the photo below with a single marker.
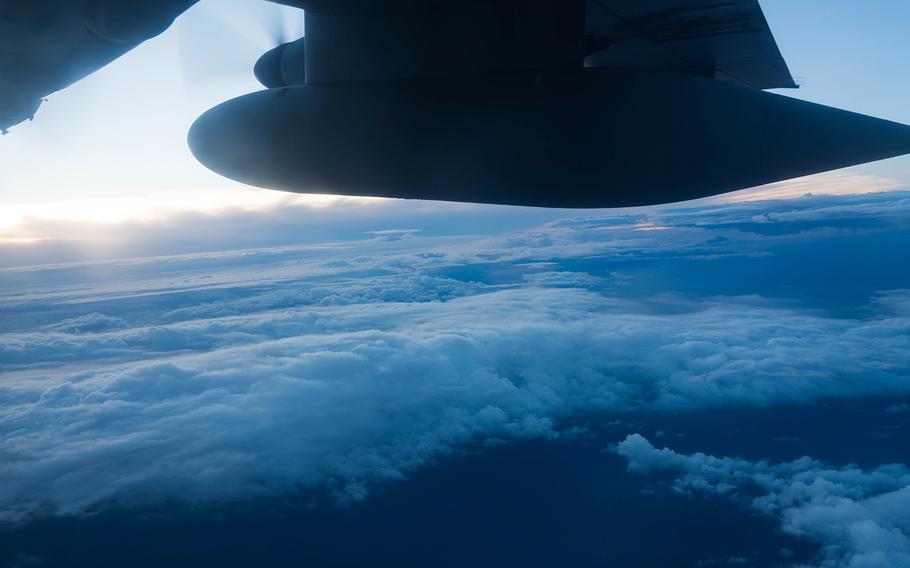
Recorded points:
(14, 219)
(829, 183)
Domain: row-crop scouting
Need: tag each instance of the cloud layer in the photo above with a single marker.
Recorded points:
(861, 518)
(208, 377)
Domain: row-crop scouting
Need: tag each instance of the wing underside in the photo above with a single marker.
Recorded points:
(556, 103)
(728, 40)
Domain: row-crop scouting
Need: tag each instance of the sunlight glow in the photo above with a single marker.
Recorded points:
(828, 183)
(153, 207)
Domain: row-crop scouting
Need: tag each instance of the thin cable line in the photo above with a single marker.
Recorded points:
(653, 40)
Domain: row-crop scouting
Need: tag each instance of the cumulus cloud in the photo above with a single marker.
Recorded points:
(340, 398)
(339, 365)
(860, 518)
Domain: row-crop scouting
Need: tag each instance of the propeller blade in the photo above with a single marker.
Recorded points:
(222, 41)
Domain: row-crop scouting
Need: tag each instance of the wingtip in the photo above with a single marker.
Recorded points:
(802, 138)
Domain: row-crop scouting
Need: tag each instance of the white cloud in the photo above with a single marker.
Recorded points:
(217, 376)
(340, 397)
(860, 518)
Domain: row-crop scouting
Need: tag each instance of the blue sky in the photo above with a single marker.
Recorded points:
(193, 372)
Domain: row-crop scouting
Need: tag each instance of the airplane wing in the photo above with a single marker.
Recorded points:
(728, 40)
(47, 45)
(556, 103)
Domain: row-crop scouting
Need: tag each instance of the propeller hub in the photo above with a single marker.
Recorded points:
(268, 68)
(282, 66)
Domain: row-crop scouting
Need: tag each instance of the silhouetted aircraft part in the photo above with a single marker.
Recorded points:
(16, 107)
(252, 28)
(283, 65)
(444, 38)
(586, 138)
(131, 22)
(557, 103)
(488, 101)
(728, 41)
(47, 45)
(268, 68)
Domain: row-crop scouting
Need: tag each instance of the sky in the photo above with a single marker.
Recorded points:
(194, 372)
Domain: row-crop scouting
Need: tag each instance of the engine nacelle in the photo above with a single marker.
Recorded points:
(585, 138)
